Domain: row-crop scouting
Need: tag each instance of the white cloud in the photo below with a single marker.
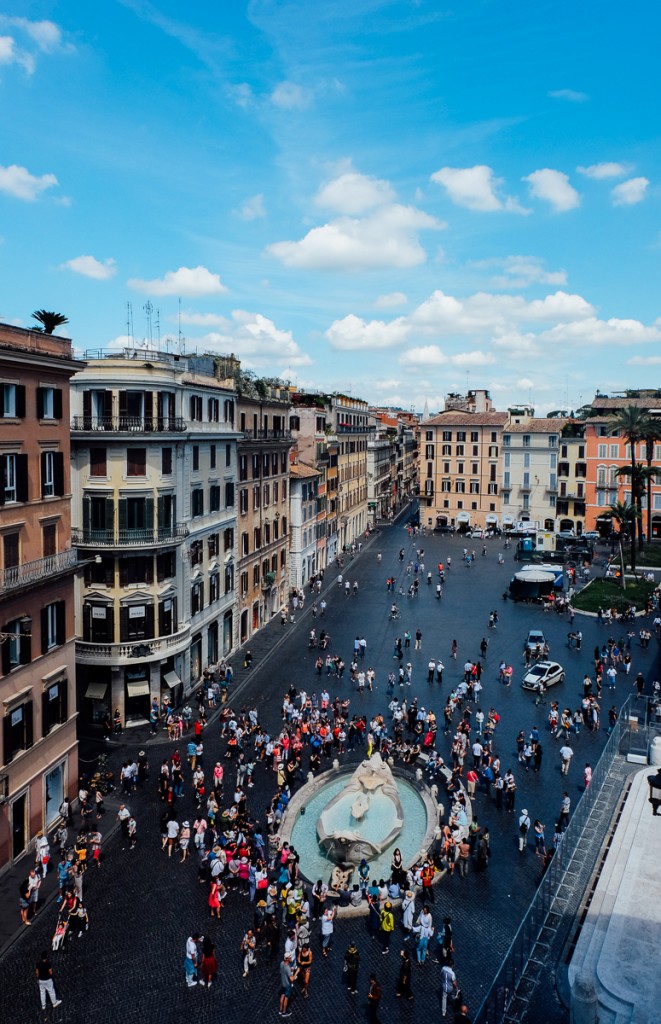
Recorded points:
(391, 301)
(256, 341)
(190, 282)
(476, 358)
(592, 331)
(242, 95)
(354, 193)
(425, 355)
(201, 319)
(46, 34)
(521, 272)
(252, 208)
(571, 95)
(644, 361)
(289, 96)
(608, 169)
(475, 188)
(627, 193)
(89, 266)
(385, 238)
(554, 188)
(18, 182)
(11, 54)
(354, 335)
(387, 384)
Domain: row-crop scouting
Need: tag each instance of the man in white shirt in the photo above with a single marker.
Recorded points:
(191, 959)
(448, 985)
(173, 833)
(566, 754)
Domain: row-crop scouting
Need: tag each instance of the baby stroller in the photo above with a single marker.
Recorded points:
(60, 934)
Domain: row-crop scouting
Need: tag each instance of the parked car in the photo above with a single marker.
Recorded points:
(535, 639)
(542, 675)
(592, 535)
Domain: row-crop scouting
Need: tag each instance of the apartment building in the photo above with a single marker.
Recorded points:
(263, 521)
(154, 450)
(460, 464)
(304, 511)
(381, 474)
(607, 452)
(38, 749)
(349, 418)
(572, 478)
(318, 445)
(529, 482)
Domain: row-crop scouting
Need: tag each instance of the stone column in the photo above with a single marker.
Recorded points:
(584, 1004)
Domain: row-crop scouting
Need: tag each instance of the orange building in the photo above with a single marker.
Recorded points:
(38, 749)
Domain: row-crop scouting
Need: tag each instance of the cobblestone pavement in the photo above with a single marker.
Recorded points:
(142, 906)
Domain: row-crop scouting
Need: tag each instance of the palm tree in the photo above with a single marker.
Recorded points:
(48, 320)
(625, 515)
(632, 423)
(652, 435)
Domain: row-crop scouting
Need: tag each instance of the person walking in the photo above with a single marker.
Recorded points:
(288, 975)
(44, 973)
(350, 970)
(524, 825)
(373, 1000)
(565, 807)
(404, 980)
(386, 926)
(305, 967)
(448, 986)
(327, 928)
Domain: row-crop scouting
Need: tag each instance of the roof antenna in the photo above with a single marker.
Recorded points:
(149, 309)
(129, 324)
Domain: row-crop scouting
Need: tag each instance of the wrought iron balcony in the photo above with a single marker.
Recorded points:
(30, 573)
(266, 435)
(144, 538)
(129, 424)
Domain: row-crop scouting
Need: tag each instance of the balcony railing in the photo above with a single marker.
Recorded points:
(347, 428)
(29, 573)
(90, 537)
(135, 650)
(129, 424)
(267, 435)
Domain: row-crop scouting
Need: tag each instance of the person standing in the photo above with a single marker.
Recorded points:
(386, 926)
(351, 965)
(404, 979)
(305, 967)
(524, 825)
(191, 959)
(563, 817)
(373, 1000)
(287, 977)
(327, 927)
(464, 856)
(44, 973)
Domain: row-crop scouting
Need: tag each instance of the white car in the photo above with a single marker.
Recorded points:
(542, 675)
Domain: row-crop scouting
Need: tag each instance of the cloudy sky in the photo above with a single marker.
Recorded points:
(396, 198)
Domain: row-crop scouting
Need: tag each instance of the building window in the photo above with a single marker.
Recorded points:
(447, 449)
(446, 485)
(12, 401)
(197, 502)
(48, 540)
(255, 497)
(507, 440)
(245, 544)
(214, 410)
(474, 436)
(257, 537)
(49, 404)
(255, 575)
(52, 626)
(461, 435)
(228, 409)
(165, 566)
(602, 451)
(267, 495)
(447, 435)
(429, 451)
(243, 501)
(214, 592)
(460, 449)
(228, 539)
(196, 597)
(136, 461)
(228, 455)
(54, 706)
(212, 456)
(475, 487)
(98, 462)
(16, 647)
(214, 498)
(526, 440)
(229, 494)
(244, 584)
(52, 474)
(196, 458)
(229, 579)
(13, 478)
(17, 730)
(460, 486)
(166, 461)
(243, 467)
(196, 408)
(615, 451)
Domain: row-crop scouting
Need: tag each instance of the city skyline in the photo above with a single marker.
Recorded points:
(468, 196)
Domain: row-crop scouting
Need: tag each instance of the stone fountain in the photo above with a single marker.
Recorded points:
(365, 818)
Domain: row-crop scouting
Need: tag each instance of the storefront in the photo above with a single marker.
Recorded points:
(55, 782)
(137, 695)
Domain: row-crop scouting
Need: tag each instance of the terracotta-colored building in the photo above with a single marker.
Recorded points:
(38, 749)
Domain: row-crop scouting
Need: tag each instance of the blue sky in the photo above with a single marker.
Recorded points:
(396, 199)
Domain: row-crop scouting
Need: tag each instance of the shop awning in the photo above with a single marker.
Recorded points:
(171, 679)
(96, 691)
(491, 519)
(137, 689)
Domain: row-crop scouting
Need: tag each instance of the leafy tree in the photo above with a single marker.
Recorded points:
(48, 320)
(632, 423)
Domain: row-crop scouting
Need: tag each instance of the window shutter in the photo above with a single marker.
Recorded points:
(107, 404)
(44, 630)
(175, 625)
(60, 617)
(57, 403)
(21, 477)
(123, 624)
(26, 643)
(43, 459)
(2, 401)
(110, 625)
(192, 407)
(149, 569)
(161, 619)
(3, 470)
(20, 401)
(122, 513)
(148, 406)
(87, 502)
(6, 730)
(110, 514)
(149, 622)
(123, 404)
(58, 473)
(123, 572)
(29, 729)
(40, 403)
(6, 663)
(149, 513)
(110, 572)
(87, 409)
(161, 513)
(45, 714)
(64, 700)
